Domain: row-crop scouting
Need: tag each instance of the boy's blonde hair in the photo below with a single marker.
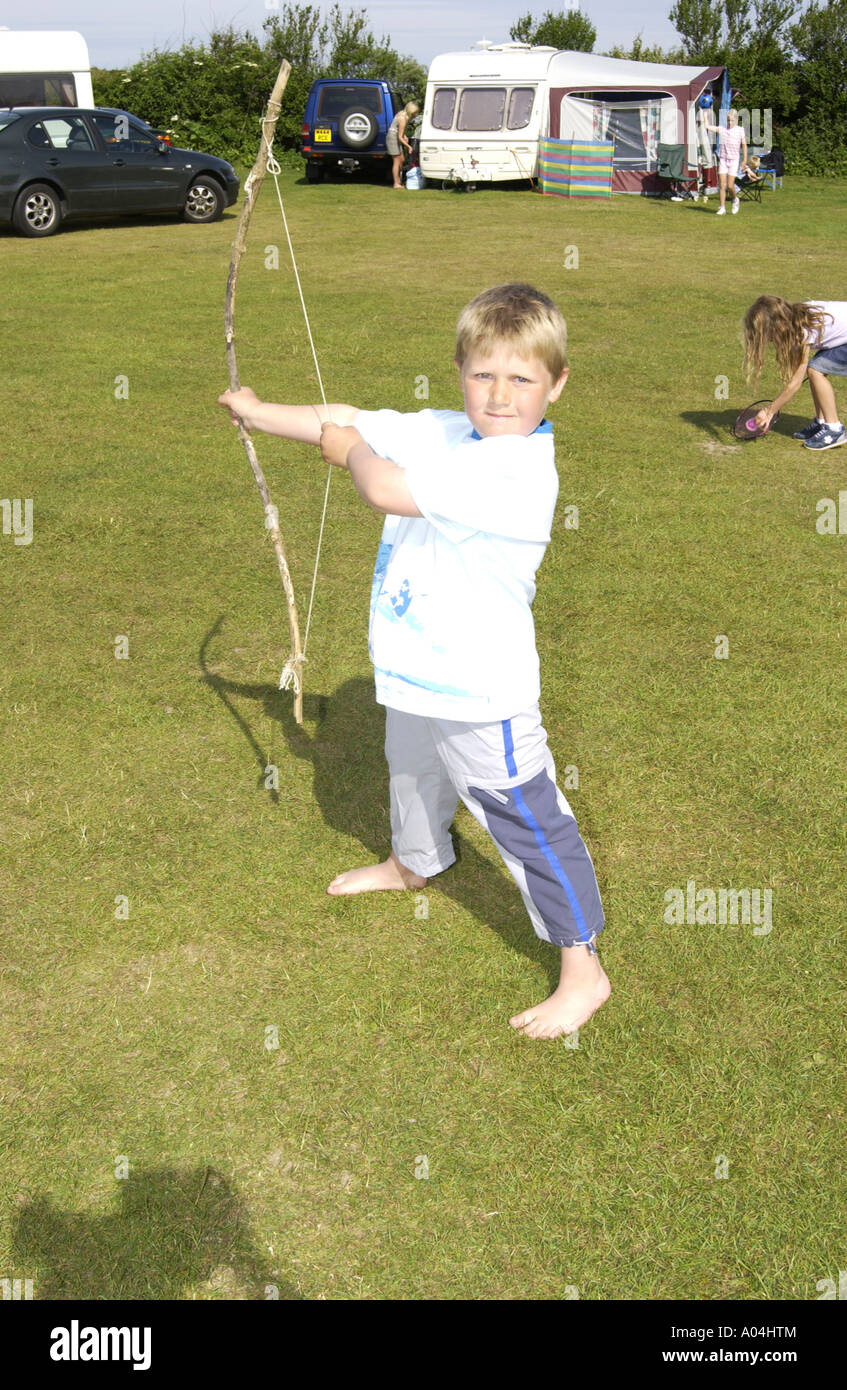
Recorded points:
(516, 316)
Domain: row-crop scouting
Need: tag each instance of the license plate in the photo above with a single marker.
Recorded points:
(324, 136)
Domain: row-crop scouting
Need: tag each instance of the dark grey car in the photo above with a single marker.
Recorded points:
(59, 162)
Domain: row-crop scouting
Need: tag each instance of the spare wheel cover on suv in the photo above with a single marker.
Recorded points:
(357, 128)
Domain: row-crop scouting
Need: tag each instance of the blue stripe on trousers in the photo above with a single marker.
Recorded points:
(509, 747)
(531, 826)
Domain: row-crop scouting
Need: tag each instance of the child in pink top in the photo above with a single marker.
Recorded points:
(733, 149)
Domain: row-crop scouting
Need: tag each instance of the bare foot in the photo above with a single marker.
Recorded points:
(584, 986)
(390, 874)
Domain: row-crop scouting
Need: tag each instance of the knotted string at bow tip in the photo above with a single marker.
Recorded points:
(292, 671)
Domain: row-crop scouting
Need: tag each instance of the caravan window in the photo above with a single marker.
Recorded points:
(520, 107)
(482, 108)
(443, 106)
(37, 89)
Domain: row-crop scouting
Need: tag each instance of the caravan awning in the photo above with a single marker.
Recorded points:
(592, 72)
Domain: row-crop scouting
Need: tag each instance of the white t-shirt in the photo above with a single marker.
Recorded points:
(451, 630)
(835, 333)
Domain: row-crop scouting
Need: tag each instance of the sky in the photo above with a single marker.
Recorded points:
(119, 31)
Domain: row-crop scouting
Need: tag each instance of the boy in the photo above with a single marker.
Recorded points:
(469, 500)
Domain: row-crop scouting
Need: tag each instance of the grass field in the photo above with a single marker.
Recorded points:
(236, 1085)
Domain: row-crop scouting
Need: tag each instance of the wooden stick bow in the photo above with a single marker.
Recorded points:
(292, 673)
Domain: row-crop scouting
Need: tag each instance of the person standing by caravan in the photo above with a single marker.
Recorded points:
(732, 151)
(395, 136)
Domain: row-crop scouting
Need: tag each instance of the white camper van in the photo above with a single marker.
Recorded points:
(487, 109)
(44, 68)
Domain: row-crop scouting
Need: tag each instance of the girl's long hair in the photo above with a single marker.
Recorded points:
(774, 320)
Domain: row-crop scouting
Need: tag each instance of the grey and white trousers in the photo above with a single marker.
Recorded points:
(505, 775)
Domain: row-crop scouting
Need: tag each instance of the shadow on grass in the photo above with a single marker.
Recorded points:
(270, 697)
(172, 1230)
(361, 178)
(706, 206)
(351, 787)
(719, 423)
(135, 219)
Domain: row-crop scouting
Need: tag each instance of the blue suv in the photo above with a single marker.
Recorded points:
(345, 126)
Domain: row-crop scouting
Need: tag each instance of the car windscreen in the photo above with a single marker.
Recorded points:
(7, 117)
(335, 100)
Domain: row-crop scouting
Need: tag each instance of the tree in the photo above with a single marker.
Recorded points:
(749, 37)
(699, 23)
(713, 31)
(341, 45)
(796, 75)
(641, 52)
(820, 40)
(211, 97)
(817, 142)
(299, 34)
(569, 30)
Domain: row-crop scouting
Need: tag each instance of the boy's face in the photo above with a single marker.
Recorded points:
(507, 394)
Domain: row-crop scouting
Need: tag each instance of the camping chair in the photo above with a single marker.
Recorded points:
(772, 166)
(750, 190)
(671, 166)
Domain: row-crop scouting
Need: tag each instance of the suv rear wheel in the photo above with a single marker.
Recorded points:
(357, 128)
(314, 171)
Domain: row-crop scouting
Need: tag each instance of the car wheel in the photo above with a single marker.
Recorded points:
(314, 171)
(38, 211)
(357, 128)
(204, 202)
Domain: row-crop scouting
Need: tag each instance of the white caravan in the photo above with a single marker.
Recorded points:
(44, 68)
(484, 113)
(486, 110)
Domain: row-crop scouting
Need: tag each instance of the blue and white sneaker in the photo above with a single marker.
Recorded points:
(808, 430)
(827, 437)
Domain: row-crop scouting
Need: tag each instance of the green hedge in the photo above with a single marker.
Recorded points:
(212, 97)
(810, 150)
